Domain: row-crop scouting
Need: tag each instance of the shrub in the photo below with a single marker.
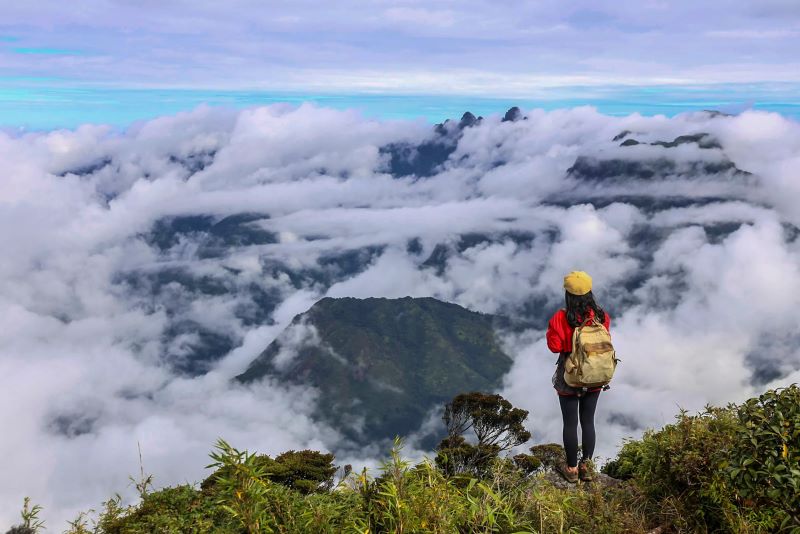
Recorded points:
(764, 465)
(422, 498)
(679, 467)
(627, 462)
(542, 458)
(305, 471)
(548, 454)
(494, 423)
(31, 524)
(242, 488)
(733, 469)
(527, 463)
(588, 508)
(456, 456)
(171, 510)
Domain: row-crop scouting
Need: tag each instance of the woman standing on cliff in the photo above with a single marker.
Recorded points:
(576, 404)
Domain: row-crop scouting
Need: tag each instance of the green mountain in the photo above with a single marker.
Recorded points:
(381, 365)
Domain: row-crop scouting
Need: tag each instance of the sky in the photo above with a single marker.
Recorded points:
(283, 111)
(116, 61)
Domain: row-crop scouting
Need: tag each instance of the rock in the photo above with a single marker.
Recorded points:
(622, 135)
(467, 120)
(513, 114)
(702, 139)
(601, 480)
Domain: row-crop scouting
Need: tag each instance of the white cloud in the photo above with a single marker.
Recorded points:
(421, 16)
(752, 34)
(468, 47)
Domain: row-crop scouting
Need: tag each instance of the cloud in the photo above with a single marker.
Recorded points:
(776, 8)
(470, 47)
(752, 34)
(147, 268)
(420, 17)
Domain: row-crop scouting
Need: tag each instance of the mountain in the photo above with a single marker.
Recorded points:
(381, 365)
(427, 158)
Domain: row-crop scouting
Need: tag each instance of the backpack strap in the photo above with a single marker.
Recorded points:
(569, 360)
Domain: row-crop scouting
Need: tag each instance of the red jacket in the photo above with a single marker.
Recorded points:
(559, 332)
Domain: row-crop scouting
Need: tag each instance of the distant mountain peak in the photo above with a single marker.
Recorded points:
(513, 114)
(384, 363)
(467, 120)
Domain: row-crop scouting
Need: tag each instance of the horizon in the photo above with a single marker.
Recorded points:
(43, 109)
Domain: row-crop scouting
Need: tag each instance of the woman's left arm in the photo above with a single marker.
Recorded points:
(555, 337)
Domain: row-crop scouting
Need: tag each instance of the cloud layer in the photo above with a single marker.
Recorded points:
(143, 270)
(469, 47)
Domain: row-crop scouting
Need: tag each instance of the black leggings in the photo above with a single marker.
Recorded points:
(570, 408)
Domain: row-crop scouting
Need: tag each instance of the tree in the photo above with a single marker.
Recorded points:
(495, 425)
(543, 457)
(304, 471)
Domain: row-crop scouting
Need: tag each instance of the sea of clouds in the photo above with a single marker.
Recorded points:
(700, 272)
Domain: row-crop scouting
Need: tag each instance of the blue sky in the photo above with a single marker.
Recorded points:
(63, 63)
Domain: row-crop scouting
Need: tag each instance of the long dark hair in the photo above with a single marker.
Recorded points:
(578, 307)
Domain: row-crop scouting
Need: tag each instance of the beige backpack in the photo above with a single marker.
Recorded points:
(593, 359)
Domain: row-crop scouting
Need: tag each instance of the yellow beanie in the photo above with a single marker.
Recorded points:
(578, 283)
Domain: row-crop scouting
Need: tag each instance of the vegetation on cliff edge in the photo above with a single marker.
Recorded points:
(733, 469)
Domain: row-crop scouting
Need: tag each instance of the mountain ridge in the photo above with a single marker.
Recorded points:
(381, 365)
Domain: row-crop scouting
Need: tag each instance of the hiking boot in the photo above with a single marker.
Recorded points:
(569, 476)
(586, 470)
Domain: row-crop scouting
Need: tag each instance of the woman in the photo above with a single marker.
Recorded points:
(575, 403)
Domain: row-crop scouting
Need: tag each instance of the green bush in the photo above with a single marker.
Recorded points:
(732, 469)
(548, 454)
(679, 467)
(629, 458)
(764, 464)
(171, 510)
(306, 471)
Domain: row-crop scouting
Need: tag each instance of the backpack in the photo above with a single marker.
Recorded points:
(592, 362)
